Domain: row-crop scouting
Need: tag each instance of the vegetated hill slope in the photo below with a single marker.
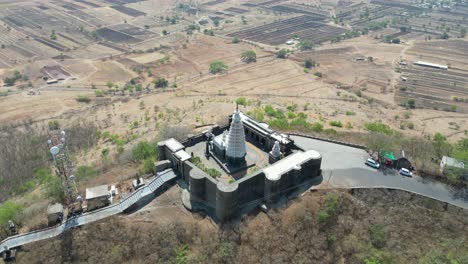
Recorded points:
(364, 226)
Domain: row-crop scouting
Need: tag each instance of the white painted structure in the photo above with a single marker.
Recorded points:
(235, 144)
(431, 65)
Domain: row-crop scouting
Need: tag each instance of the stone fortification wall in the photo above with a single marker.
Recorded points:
(225, 200)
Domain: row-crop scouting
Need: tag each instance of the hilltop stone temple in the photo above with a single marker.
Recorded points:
(259, 167)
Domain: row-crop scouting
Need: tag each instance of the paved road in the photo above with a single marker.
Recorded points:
(90, 217)
(343, 167)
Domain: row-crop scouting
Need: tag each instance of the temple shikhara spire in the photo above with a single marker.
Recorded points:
(235, 144)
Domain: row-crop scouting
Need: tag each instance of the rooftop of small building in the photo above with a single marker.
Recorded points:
(97, 192)
(452, 162)
(182, 155)
(55, 208)
(173, 144)
(289, 163)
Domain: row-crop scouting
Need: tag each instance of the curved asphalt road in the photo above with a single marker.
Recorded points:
(343, 167)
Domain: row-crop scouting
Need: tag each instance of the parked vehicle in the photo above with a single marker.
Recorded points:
(406, 172)
(372, 163)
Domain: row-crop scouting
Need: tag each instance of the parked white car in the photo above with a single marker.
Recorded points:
(406, 172)
(372, 163)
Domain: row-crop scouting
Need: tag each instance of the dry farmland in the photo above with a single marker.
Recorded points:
(435, 88)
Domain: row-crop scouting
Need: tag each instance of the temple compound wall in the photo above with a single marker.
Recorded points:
(225, 200)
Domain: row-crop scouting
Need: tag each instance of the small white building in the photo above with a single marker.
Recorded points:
(451, 162)
(97, 197)
(431, 65)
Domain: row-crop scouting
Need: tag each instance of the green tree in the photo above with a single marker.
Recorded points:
(441, 146)
(53, 36)
(218, 67)
(161, 83)
(148, 165)
(54, 125)
(144, 150)
(281, 54)
(444, 36)
(309, 64)
(109, 84)
(9, 211)
(411, 103)
(241, 101)
(235, 40)
(462, 32)
(305, 45)
(249, 56)
(378, 235)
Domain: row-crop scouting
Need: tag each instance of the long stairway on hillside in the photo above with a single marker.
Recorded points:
(86, 218)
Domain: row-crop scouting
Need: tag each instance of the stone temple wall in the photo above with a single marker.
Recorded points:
(225, 200)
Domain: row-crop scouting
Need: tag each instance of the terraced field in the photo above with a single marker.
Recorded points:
(434, 88)
(306, 27)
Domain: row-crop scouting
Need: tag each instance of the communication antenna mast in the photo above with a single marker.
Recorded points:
(63, 165)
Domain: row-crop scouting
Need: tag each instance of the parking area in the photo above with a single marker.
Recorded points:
(343, 167)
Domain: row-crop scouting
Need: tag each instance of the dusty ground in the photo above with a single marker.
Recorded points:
(346, 238)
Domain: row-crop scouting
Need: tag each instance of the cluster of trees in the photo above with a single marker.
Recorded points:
(146, 153)
(289, 121)
(10, 81)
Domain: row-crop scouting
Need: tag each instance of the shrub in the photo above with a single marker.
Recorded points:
(161, 83)
(411, 103)
(213, 172)
(317, 127)
(9, 211)
(336, 123)
(350, 113)
(454, 175)
(82, 99)
(241, 101)
(99, 93)
(144, 150)
(318, 74)
(54, 190)
(332, 201)
(305, 45)
(308, 64)
(54, 125)
(209, 32)
(249, 56)
(134, 125)
(84, 172)
(269, 110)
(323, 216)
(257, 114)
(148, 165)
(281, 54)
(218, 67)
(281, 124)
(291, 115)
(378, 235)
(379, 128)
(25, 187)
(235, 40)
